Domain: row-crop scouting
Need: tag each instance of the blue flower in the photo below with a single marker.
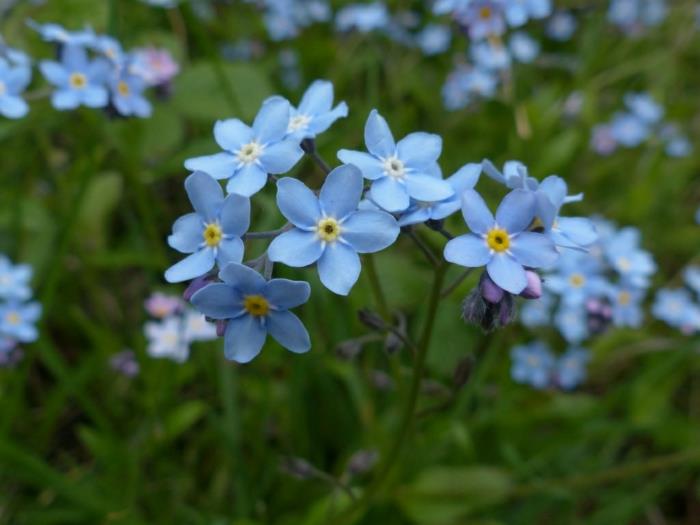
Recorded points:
(212, 234)
(502, 243)
(523, 47)
(490, 55)
(316, 112)
(434, 39)
(518, 12)
(17, 321)
(362, 17)
(537, 313)
(631, 15)
(644, 107)
(253, 308)
(602, 140)
(635, 266)
(284, 18)
(561, 26)
(532, 364)
(13, 81)
(465, 82)
(57, 33)
(14, 280)
(420, 211)
(482, 18)
(572, 323)
(251, 153)
(691, 275)
(398, 171)
(577, 278)
(565, 232)
(626, 305)
(571, 368)
(109, 47)
(79, 81)
(628, 129)
(673, 307)
(127, 95)
(329, 229)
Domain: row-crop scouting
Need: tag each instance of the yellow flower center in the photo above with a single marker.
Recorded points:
(123, 88)
(13, 318)
(624, 264)
(624, 298)
(78, 80)
(250, 152)
(498, 240)
(212, 235)
(577, 280)
(485, 12)
(328, 229)
(256, 305)
(394, 168)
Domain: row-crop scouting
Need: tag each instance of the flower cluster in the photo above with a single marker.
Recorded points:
(175, 327)
(680, 307)
(632, 16)
(534, 364)
(18, 313)
(641, 121)
(92, 70)
(359, 209)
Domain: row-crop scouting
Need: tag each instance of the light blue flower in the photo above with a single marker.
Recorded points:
(362, 17)
(315, 113)
(674, 307)
(329, 229)
(212, 234)
(561, 26)
(571, 368)
(398, 171)
(626, 305)
(572, 323)
(13, 81)
(420, 211)
(253, 308)
(532, 364)
(434, 39)
(523, 47)
(537, 313)
(18, 320)
(56, 33)
(14, 280)
(127, 95)
(577, 278)
(490, 55)
(632, 15)
(78, 80)
(285, 18)
(644, 107)
(602, 140)
(678, 146)
(628, 129)
(503, 243)
(482, 18)
(251, 153)
(634, 265)
(443, 7)
(691, 275)
(518, 12)
(109, 47)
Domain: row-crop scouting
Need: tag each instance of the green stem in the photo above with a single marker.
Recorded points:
(376, 286)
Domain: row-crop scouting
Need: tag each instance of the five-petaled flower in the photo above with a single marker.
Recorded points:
(212, 234)
(13, 80)
(330, 229)
(253, 307)
(315, 113)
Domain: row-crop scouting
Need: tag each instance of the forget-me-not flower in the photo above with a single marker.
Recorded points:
(517, 12)
(482, 18)
(434, 39)
(18, 320)
(14, 280)
(626, 308)
(577, 278)
(329, 229)
(127, 95)
(166, 339)
(572, 323)
(398, 171)
(503, 244)
(212, 234)
(644, 107)
(628, 129)
(253, 308)
(56, 33)
(13, 81)
(561, 26)
(691, 276)
(532, 364)
(570, 369)
(78, 80)
(251, 153)
(362, 17)
(523, 47)
(315, 113)
(672, 306)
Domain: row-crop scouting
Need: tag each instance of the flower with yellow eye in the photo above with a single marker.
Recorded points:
(127, 95)
(503, 243)
(18, 320)
(315, 113)
(329, 229)
(212, 234)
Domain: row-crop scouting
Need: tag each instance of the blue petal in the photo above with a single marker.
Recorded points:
(231, 134)
(13, 107)
(321, 123)
(317, 99)
(369, 231)
(419, 149)
(467, 250)
(545, 210)
(579, 229)
(427, 188)
(534, 250)
(245, 279)
(229, 250)
(235, 215)
(289, 331)
(378, 137)
(389, 194)
(516, 211)
(298, 203)
(74, 57)
(247, 181)
(465, 178)
(219, 165)
(341, 192)
(555, 189)
(284, 294)
(191, 267)
(95, 96)
(205, 194)
(17, 79)
(271, 122)
(295, 248)
(188, 233)
(476, 214)
(492, 171)
(370, 166)
(281, 156)
(339, 268)
(218, 301)
(507, 273)
(244, 338)
(54, 72)
(64, 99)
(415, 215)
(445, 208)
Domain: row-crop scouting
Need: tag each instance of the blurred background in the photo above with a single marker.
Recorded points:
(88, 199)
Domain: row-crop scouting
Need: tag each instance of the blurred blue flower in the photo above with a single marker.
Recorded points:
(572, 323)
(577, 278)
(571, 367)
(602, 140)
(14, 280)
(626, 305)
(315, 113)
(561, 26)
(676, 144)
(127, 95)
(78, 80)
(13, 81)
(329, 229)
(674, 307)
(482, 19)
(109, 47)
(634, 265)
(537, 313)
(532, 364)
(362, 17)
(644, 107)
(166, 339)
(56, 33)
(628, 129)
(420, 211)
(518, 12)
(434, 39)
(18, 321)
(490, 55)
(254, 307)
(523, 47)
(212, 234)
(284, 18)
(251, 153)
(632, 15)
(399, 171)
(503, 243)
(691, 275)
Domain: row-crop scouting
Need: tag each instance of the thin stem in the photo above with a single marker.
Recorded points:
(455, 284)
(267, 234)
(268, 266)
(309, 147)
(376, 286)
(423, 248)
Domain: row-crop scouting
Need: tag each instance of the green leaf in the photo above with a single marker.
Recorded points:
(101, 198)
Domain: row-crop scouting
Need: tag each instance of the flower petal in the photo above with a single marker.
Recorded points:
(231, 134)
(317, 99)
(516, 211)
(339, 268)
(322, 122)
(295, 248)
(370, 166)
(288, 330)
(271, 122)
(578, 229)
(507, 273)
(465, 178)
(54, 72)
(247, 181)
(341, 192)
(230, 250)
(378, 137)
(419, 149)
(415, 215)
(389, 194)
(476, 214)
(95, 96)
(218, 301)
(284, 294)
(534, 250)
(281, 156)
(555, 189)
(243, 278)
(219, 165)
(467, 250)
(369, 231)
(298, 203)
(64, 99)
(205, 195)
(187, 234)
(13, 107)
(244, 338)
(427, 188)
(192, 266)
(235, 215)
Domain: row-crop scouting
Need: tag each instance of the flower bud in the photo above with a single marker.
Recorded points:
(533, 289)
(348, 349)
(361, 462)
(298, 468)
(221, 327)
(196, 285)
(490, 290)
(371, 319)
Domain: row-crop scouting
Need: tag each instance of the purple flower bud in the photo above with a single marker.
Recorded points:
(490, 290)
(362, 461)
(221, 327)
(533, 289)
(195, 286)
